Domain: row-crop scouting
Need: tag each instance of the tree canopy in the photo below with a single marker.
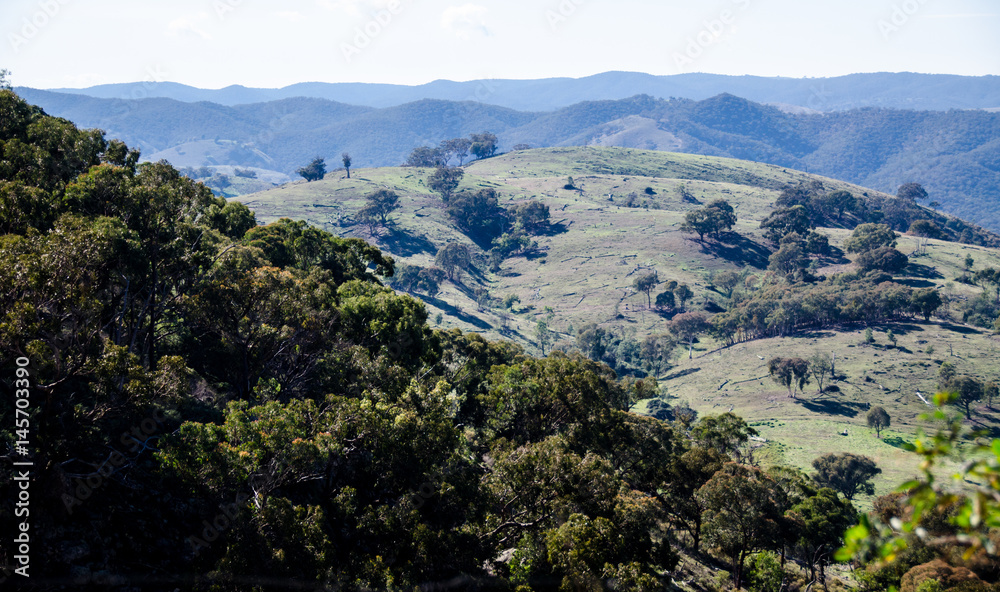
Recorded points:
(314, 171)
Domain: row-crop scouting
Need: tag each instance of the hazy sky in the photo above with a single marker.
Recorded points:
(215, 43)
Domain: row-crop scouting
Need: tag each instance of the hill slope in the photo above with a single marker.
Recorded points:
(583, 272)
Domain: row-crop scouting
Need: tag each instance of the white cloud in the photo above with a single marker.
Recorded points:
(186, 28)
(466, 21)
(290, 15)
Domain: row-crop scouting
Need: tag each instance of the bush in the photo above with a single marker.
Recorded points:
(765, 573)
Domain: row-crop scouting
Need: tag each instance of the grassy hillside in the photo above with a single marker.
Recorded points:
(585, 267)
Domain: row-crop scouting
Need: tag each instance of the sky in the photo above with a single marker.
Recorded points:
(216, 43)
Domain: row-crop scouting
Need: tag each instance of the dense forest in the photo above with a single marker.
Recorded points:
(210, 404)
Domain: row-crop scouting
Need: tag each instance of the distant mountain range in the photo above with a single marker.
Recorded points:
(893, 90)
(955, 153)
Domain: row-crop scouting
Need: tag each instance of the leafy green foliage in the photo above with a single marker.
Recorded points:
(868, 237)
(846, 473)
(878, 418)
(445, 180)
(712, 220)
(314, 171)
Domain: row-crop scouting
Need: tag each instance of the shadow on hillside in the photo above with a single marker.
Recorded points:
(922, 271)
(681, 374)
(831, 407)
(737, 249)
(553, 229)
(403, 244)
(835, 257)
(815, 334)
(454, 311)
(961, 329)
(915, 283)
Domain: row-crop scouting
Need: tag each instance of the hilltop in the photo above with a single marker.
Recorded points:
(583, 271)
(952, 153)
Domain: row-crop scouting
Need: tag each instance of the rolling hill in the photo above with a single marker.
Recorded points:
(583, 272)
(954, 154)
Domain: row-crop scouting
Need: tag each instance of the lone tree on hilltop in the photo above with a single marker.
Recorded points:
(878, 419)
(911, 191)
(848, 473)
(484, 145)
(423, 156)
(314, 171)
(456, 147)
(346, 158)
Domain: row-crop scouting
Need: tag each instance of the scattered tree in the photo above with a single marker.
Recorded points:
(911, 192)
(457, 148)
(712, 219)
(878, 419)
(969, 390)
(847, 473)
(885, 259)
(742, 510)
(314, 171)
(783, 221)
(819, 366)
(543, 335)
(380, 203)
(645, 283)
(346, 159)
(453, 258)
(484, 145)
(424, 156)
(789, 372)
(683, 293)
(925, 301)
(445, 180)
(926, 229)
(687, 326)
(868, 237)
(665, 299)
